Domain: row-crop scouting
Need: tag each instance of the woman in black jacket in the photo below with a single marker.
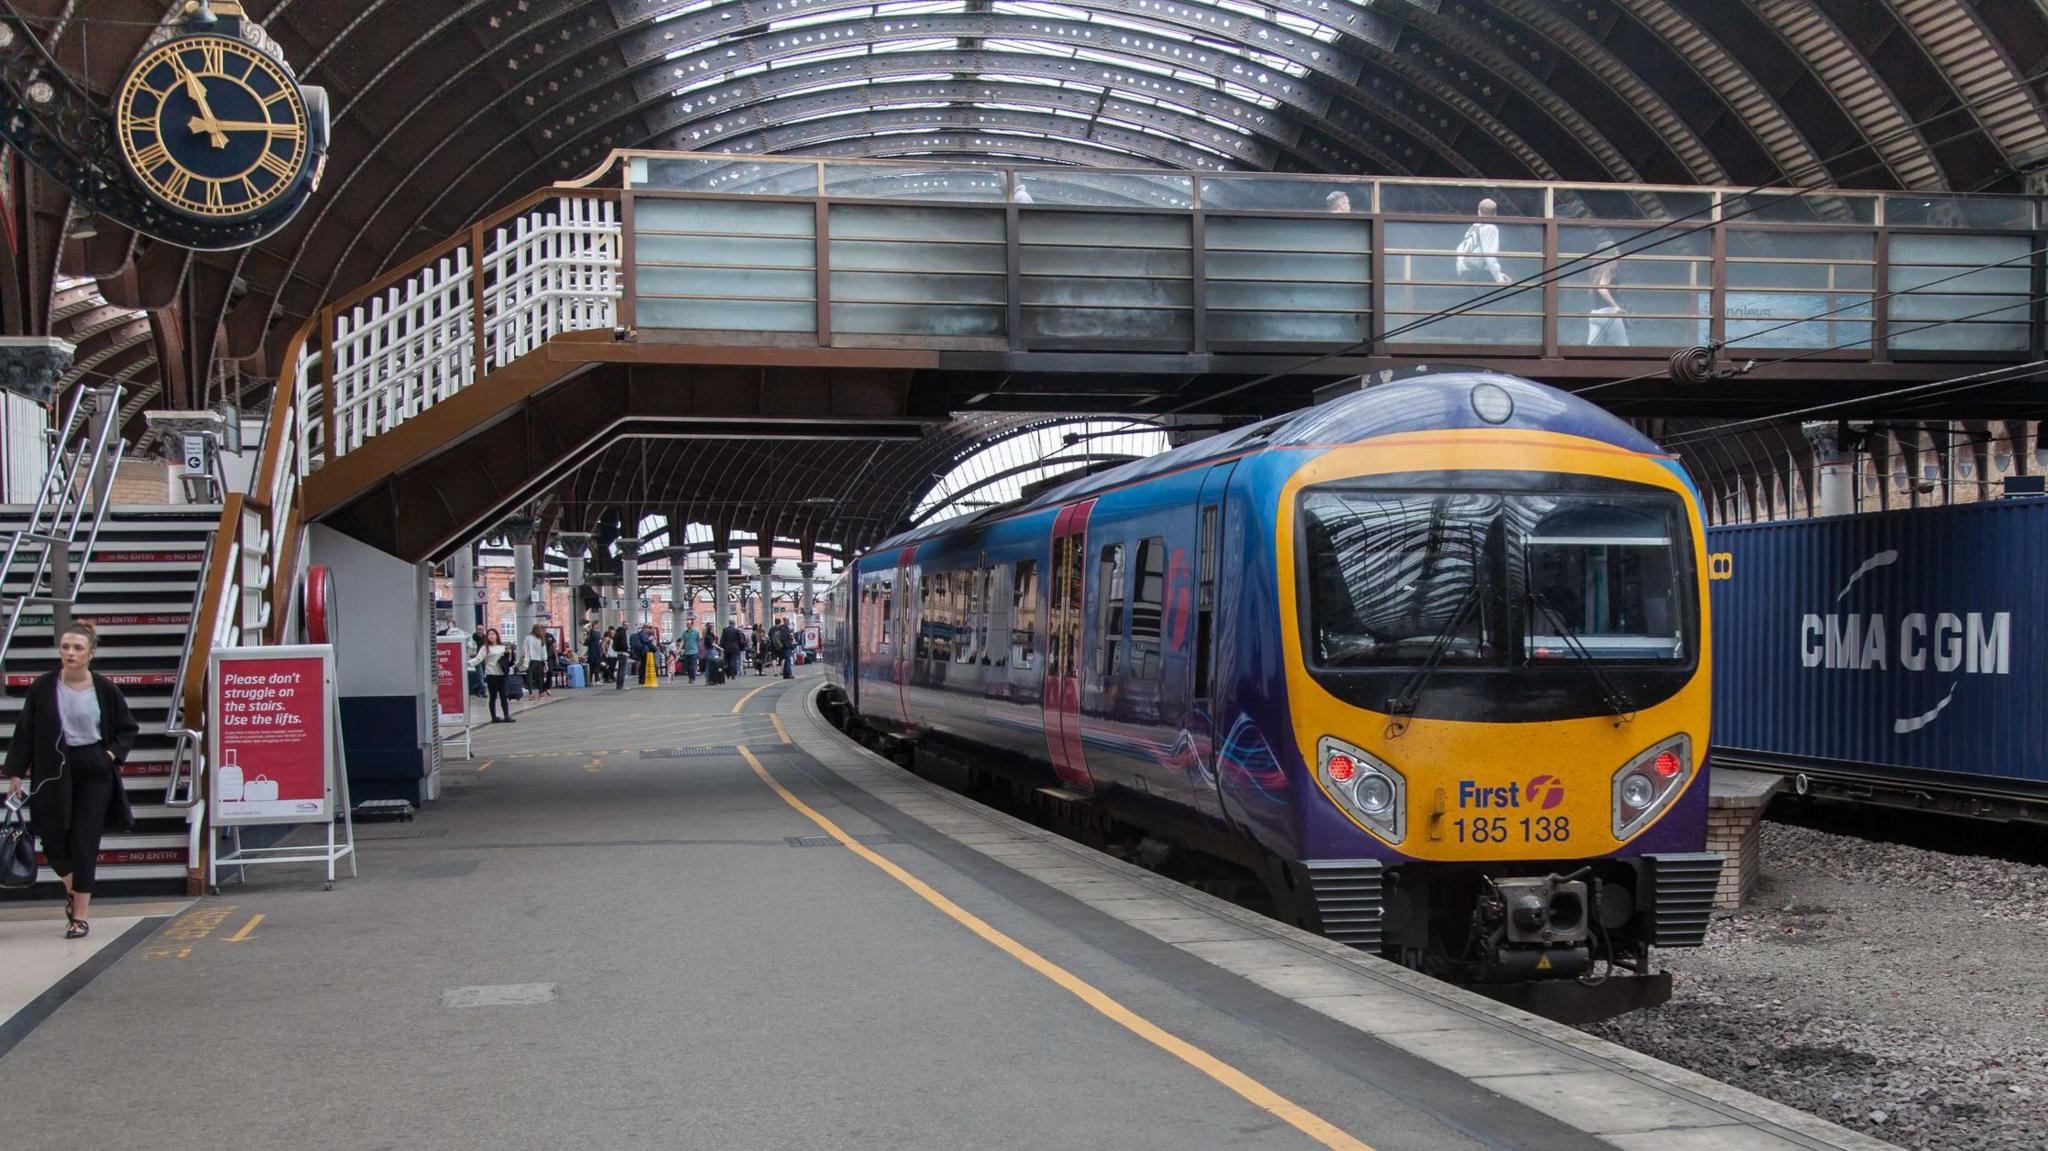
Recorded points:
(74, 733)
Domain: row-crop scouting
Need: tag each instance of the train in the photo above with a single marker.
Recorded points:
(1429, 661)
(1918, 632)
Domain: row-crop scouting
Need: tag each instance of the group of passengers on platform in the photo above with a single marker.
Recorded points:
(696, 652)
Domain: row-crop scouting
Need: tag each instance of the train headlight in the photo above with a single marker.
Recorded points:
(1649, 783)
(1366, 786)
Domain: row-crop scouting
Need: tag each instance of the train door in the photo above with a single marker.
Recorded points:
(1206, 719)
(1062, 694)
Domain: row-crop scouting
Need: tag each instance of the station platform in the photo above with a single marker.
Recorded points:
(694, 916)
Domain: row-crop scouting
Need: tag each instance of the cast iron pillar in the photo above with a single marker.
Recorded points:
(720, 561)
(519, 531)
(462, 607)
(807, 608)
(629, 568)
(576, 546)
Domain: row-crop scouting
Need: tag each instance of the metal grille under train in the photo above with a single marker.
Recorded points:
(1682, 897)
(1349, 900)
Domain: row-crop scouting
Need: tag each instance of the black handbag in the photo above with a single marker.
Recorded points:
(17, 851)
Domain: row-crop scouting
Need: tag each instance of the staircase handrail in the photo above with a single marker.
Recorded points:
(79, 480)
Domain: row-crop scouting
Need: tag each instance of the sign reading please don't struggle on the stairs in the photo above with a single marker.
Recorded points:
(272, 755)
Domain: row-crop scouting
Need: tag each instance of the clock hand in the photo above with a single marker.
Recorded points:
(204, 124)
(196, 89)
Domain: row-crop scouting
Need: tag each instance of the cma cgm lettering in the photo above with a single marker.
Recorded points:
(1890, 654)
(1973, 643)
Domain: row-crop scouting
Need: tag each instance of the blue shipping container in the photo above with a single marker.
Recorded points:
(1901, 646)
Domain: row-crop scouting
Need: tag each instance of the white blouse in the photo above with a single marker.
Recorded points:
(80, 711)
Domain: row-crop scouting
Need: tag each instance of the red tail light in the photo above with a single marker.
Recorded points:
(1342, 768)
(1667, 764)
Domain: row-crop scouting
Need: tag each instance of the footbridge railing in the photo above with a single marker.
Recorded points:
(972, 267)
(545, 267)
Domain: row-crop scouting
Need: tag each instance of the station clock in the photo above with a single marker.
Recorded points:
(214, 127)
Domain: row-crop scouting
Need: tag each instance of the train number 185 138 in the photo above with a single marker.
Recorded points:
(1501, 829)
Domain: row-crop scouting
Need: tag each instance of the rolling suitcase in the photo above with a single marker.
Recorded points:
(715, 674)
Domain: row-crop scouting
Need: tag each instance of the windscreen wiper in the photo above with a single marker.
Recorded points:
(1617, 702)
(1403, 702)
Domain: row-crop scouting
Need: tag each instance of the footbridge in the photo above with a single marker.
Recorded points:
(733, 296)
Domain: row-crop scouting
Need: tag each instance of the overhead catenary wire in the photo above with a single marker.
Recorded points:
(2005, 374)
(1611, 253)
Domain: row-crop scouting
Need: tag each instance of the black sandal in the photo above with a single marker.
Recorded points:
(70, 908)
(78, 930)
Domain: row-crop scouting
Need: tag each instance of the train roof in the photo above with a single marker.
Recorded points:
(1438, 401)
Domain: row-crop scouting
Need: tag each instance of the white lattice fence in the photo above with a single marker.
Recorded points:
(554, 270)
(311, 402)
(403, 350)
(392, 355)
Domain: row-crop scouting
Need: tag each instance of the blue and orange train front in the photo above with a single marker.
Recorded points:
(1496, 686)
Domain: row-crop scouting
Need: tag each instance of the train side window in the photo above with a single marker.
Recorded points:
(1111, 617)
(886, 634)
(968, 641)
(992, 621)
(1205, 605)
(1024, 614)
(1148, 599)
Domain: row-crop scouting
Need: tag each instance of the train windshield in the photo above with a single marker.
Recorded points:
(1395, 576)
(1602, 580)
(1488, 578)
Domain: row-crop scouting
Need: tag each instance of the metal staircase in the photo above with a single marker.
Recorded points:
(148, 563)
(135, 572)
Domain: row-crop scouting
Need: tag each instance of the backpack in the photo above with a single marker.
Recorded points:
(1466, 247)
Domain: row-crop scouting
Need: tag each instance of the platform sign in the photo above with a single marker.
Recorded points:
(451, 689)
(272, 736)
(274, 755)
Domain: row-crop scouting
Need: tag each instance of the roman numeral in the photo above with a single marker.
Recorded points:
(176, 184)
(214, 58)
(275, 97)
(214, 199)
(248, 190)
(278, 166)
(153, 157)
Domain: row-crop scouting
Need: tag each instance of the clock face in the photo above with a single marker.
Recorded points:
(212, 127)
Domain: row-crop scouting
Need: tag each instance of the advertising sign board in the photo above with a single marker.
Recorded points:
(451, 689)
(275, 755)
(272, 735)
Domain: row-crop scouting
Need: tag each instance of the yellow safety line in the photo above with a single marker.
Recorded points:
(743, 699)
(485, 765)
(780, 730)
(242, 936)
(1251, 1090)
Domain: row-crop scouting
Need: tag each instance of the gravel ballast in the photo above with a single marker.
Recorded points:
(1899, 991)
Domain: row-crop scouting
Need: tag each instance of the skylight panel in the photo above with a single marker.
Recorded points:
(948, 43)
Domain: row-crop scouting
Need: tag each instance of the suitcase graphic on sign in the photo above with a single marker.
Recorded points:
(230, 778)
(262, 789)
